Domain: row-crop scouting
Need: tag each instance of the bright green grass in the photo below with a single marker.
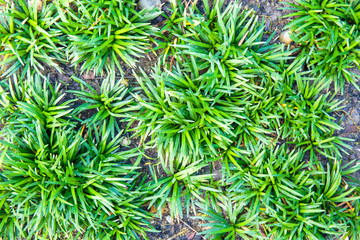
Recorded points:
(244, 136)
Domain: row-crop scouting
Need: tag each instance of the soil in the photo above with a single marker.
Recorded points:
(271, 12)
(350, 123)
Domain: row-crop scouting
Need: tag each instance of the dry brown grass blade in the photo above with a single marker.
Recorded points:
(243, 38)
(192, 229)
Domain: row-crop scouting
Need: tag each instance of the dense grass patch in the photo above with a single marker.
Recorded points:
(103, 32)
(60, 177)
(30, 38)
(328, 33)
(243, 127)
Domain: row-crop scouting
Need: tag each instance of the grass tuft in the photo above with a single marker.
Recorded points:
(103, 32)
(114, 101)
(30, 38)
(62, 178)
(329, 37)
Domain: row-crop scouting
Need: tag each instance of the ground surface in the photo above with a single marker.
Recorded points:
(187, 228)
(271, 12)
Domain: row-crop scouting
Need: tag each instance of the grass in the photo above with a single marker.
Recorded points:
(244, 128)
(291, 196)
(61, 177)
(204, 105)
(221, 227)
(22, 102)
(181, 183)
(228, 42)
(182, 118)
(113, 102)
(328, 33)
(103, 32)
(308, 118)
(30, 39)
(243, 95)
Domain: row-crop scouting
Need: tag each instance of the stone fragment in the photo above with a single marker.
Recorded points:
(125, 141)
(149, 4)
(169, 220)
(88, 75)
(285, 38)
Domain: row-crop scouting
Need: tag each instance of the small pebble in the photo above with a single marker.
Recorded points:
(149, 4)
(88, 75)
(169, 219)
(125, 141)
(285, 38)
(125, 82)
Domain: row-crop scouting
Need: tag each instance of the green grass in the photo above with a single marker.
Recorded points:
(236, 222)
(114, 101)
(60, 177)
(103, 32)
(217, 89)
(228, 43)
(22, 102)
(182, 183)
(307, 117)
(328, 34)
(274, 193)
(201, 104)
(30, 39)
(186, 123)
(245, 129)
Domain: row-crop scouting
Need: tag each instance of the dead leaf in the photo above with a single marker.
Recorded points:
(88, 76)
(153, 209)
(125, 82)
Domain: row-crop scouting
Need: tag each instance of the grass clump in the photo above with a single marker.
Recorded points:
(58, 182)
(236, 222)
(181, 189)
(284, 197)
(113, 101)
(185, 122)
(30, 38)
(102, 32)
(220, 98)
(227, 43)
(219, 92)
(307, 117)
(22, 102)
(222, 81)
(328, 34)
(61, 178)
